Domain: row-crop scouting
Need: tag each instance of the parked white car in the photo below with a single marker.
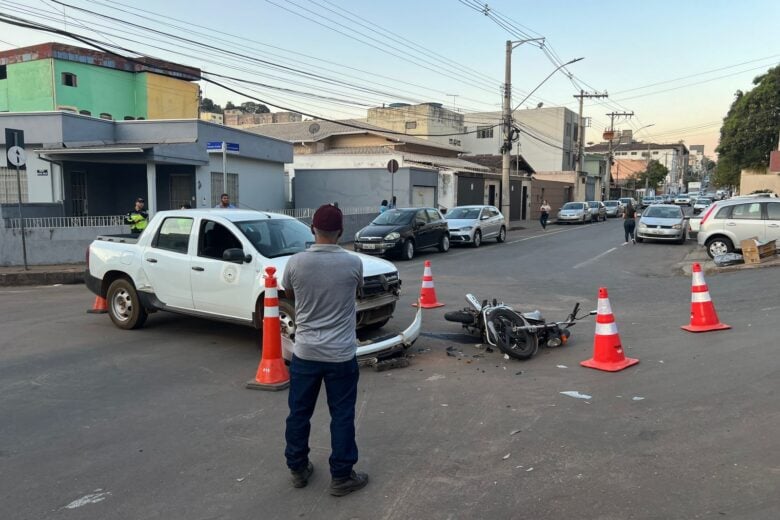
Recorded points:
(728, 222)
(574, 212)
(473, 224)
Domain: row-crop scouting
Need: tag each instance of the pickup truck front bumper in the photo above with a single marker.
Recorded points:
(371, 351)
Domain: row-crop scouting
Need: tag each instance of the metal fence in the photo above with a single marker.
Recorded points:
(119, 220)
(65, 222)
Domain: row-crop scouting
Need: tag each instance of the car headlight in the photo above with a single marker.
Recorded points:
(677, 226)
(467, 228)
(642, 226)
(395, 235)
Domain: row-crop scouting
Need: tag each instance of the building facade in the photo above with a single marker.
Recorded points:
(429, 121)
(547, 139)
(236, 117)
(212, 117)
(165, 162)
(54, 76)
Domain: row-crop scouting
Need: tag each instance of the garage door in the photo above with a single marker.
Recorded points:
(423, 196)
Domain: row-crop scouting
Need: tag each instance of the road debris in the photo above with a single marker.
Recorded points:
(506, 456)
(637, 398)
(561, 366)
(514, 432)
(577, 395)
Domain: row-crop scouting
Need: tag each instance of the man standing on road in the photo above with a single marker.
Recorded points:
(323, 281)
(224, 202)
(138, 218)
(629, 223)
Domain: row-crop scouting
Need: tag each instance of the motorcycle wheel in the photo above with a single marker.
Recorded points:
(462, 316)
(520, 345)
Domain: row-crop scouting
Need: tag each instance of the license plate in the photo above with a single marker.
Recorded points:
(369, 246)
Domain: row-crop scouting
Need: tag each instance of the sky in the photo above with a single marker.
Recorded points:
(675, 64)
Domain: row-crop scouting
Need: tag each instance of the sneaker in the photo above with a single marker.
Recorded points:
(625, 243)
(344, 486)
(633, 240)
(301, 477)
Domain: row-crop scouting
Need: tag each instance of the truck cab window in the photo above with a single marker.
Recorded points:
(215, 239)
(174, 235)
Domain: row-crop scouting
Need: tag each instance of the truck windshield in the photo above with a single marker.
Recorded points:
(277, 237)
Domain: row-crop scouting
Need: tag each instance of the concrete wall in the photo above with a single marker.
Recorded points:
(260, 183)
(98, 90)
(752, 180)
(47, 246)
(169, 98)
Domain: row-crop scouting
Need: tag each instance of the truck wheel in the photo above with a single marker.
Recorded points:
(124, 307)
(287, 317)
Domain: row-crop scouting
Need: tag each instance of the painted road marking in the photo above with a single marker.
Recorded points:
(586, 262)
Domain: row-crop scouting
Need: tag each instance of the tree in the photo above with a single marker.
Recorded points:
(250, 107)
(750, 129)
(653, 175)
(230, 106)
(207, 105)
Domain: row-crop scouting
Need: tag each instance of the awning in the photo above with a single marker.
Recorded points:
(88, 150)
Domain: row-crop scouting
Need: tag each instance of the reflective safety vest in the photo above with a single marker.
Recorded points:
(138, 222)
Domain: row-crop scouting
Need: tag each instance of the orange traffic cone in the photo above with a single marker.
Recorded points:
(703, 315)
(427, 291)
(99, 307)
(271, 374)
(607, 350)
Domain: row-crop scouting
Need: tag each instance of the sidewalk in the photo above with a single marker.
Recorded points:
(74, 273)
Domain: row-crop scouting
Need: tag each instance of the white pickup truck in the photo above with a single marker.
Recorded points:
(209, 262)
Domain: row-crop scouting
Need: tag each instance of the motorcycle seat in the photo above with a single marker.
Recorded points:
(535, 315)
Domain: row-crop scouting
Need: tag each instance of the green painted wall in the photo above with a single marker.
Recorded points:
(99, 90)
(28, 87)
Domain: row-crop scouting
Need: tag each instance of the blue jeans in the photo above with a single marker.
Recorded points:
(543, 219)
(628, 227)
(341, 380)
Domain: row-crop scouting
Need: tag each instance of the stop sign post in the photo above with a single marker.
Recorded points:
(392, 167)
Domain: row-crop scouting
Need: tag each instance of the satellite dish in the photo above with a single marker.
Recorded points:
(314, 128)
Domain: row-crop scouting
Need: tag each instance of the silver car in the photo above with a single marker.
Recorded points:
(598, 212)
(728, 222)
(473, 224)
(662, 222)
(574, 212)
(614, 208)
(701, 204)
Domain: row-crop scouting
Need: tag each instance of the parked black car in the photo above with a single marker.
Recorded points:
(402, 232)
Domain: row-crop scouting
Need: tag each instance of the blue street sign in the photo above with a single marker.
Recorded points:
(232, 147)
(214, 145)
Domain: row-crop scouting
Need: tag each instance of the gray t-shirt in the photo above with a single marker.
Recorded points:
(325, 279)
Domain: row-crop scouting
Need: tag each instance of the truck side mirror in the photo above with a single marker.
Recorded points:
(236, 254)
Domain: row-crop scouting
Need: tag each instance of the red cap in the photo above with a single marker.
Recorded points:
(328, 218)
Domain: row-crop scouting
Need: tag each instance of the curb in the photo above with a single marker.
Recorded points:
(41, 278)
(709, 267)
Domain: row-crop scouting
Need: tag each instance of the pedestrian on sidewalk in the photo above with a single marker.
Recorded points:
(544, 213)
(138, 218)
(324, 351)
(629, 223)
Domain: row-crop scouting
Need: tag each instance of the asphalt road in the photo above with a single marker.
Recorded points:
(99, 423)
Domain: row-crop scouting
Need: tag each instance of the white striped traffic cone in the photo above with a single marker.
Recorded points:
(427, 291)
(607, 349)
(703, 315)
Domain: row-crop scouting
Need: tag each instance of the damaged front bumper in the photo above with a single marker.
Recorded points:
(374, 350)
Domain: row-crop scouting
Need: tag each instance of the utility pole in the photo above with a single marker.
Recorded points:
(612, 116)
(508, 128)
(581, 133)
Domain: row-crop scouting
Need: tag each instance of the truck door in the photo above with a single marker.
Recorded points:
(221, 287)
(166, 262)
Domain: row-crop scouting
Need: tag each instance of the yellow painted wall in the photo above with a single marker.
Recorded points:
(170, 98)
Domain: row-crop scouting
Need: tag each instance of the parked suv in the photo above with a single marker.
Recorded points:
(726, 223)
(404, 231)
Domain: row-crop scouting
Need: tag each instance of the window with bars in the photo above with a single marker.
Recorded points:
(9, 192)
(484, 132)
(217, 188)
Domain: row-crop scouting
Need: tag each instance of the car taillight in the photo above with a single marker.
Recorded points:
(707, 214)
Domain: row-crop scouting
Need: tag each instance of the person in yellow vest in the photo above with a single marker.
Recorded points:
(138, 218)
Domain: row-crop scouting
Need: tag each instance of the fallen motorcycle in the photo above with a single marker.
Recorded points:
(517, 334)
